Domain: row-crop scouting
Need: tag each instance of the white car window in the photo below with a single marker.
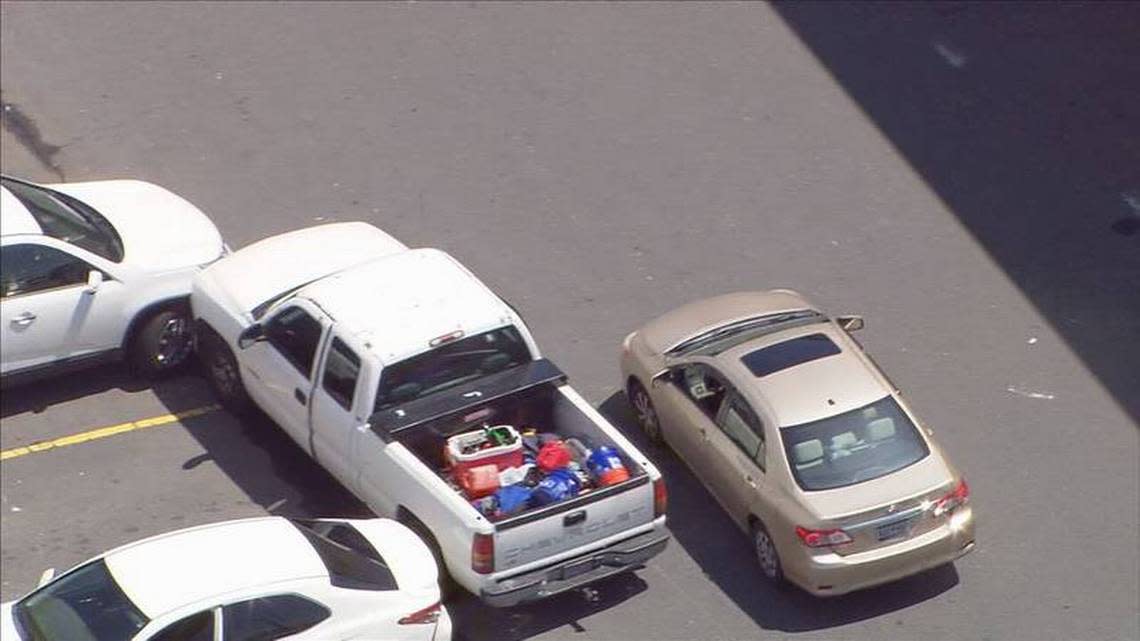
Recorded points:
(196, 627)
(270, 617)
(29, 268)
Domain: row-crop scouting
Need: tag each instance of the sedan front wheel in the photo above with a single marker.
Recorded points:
(646, 414)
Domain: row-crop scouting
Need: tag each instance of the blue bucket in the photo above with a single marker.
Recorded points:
(559, 485)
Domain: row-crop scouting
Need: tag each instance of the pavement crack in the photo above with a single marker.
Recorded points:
(27, 133)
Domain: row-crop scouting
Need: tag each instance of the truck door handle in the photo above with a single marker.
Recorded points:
(299, 395)
(574, 518)
(23, 320)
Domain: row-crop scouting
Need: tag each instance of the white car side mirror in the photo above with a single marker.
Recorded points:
(46, 577)
(94, 280)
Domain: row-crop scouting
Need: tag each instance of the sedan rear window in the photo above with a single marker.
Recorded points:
(856, 446)
(351, 560)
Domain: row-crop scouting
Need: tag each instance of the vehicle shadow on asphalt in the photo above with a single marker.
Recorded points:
(36, 396)
(723, 552)
(1023, 120)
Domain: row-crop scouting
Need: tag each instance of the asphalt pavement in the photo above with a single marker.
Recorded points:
(966, 176)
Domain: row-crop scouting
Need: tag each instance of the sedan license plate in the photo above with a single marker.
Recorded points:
(895, 530)
(574, 569)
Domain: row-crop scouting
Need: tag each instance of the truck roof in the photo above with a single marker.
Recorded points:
(271, 267)
(398, 303)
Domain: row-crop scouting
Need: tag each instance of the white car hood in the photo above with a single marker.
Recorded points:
(7, 623)
(161, 231)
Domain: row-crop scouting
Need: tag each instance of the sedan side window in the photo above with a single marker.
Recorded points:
(295, 334)
(271, 617)
(196, 627)
(29, 268)
(342, 367)
(702, 387)
(740, 424)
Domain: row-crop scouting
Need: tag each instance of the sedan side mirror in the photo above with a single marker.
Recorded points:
(46, 577)
(660, 377)
(94, 280)
(850, 323)
(251, 335)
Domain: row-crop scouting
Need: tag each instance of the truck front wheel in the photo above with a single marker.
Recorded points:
(223, 372)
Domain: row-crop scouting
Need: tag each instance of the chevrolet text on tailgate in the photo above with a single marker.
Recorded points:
(425, 394)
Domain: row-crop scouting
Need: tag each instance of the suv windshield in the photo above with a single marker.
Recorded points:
(83, 605)
(451, 364)
(853, 447)
(68, 219)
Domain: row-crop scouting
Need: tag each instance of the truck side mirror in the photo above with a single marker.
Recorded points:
(251, 335)
(850, 323)
(94, 280)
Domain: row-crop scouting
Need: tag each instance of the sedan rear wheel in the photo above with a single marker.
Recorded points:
(766, 555)
(646, 414)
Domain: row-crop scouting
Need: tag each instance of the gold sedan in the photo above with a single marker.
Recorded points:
(801, 438)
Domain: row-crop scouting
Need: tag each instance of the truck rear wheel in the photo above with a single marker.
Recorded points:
(223, 372)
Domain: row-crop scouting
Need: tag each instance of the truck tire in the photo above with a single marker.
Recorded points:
(223, 372)
(447, 585)
(162, 343)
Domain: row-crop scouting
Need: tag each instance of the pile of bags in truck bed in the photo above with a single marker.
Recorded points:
(504, 472)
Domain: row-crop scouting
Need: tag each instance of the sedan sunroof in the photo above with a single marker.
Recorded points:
(781, 356)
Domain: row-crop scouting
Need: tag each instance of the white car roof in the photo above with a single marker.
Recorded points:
(399, 303)
(14, 217)
(177, 569)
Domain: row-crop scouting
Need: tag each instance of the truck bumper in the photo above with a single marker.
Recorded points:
(576, 572)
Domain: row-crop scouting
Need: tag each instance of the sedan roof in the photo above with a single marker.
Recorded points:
(810, 384)
(177, 569)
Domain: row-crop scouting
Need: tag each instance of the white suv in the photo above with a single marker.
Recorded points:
(97, 270)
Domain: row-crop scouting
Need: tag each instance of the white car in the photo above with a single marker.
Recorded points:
(254, 579)
(97, 270)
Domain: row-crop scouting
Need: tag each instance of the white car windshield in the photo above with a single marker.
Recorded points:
(856, 446)
(83, 605)
(68, 219)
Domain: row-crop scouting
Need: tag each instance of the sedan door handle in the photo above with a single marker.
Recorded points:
(23, 320)
(749, 480)
(299, 395)
(704, 435)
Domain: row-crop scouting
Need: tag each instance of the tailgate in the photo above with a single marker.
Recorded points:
(577, 525)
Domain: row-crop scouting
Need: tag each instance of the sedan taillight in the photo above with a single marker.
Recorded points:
(958, 497)
(429, 614)
(822, 538)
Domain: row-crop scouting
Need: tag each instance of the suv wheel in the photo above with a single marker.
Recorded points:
(162, 343)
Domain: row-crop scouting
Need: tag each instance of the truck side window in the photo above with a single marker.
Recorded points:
(295, 334)
(342, 367)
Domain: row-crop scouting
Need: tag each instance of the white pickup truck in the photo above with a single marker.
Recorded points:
(370, 355)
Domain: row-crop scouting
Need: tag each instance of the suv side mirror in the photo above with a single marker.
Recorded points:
(850, 323)
(251, 335)
(94, 280)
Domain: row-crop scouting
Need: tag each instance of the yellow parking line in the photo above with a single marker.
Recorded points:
(104, 432)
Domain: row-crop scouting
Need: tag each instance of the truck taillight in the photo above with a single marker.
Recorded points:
(483, 553)
(822, 538)
(660, 497)
(429, 614)
(958, 497)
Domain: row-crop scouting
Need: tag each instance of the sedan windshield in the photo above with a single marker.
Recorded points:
(83, 605)
(68, 219)
(451, 364)
(853, 447)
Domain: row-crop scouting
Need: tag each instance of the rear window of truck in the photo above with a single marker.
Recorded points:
(453, 363)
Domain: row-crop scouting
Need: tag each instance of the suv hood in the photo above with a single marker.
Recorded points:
(161, 231)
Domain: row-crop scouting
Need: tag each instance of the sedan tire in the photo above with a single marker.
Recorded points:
(644, 411)
(766, 555)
